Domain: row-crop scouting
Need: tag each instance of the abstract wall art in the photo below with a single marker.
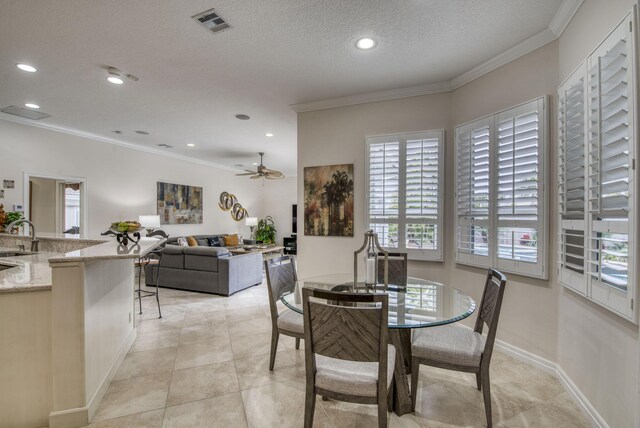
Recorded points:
(328, 200)
(179, 204)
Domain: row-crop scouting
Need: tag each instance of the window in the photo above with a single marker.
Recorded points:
(500, 182)
(597, 175)
(405, 191)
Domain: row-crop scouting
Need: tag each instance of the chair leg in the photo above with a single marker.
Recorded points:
(486, 393)
(382, 412)
(139, 289)
(415, 371)
(275, 335)
(479, 381)
(158, 300)
(297, 343)
(309, 407)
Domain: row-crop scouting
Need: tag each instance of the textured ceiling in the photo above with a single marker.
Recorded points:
(277, 53)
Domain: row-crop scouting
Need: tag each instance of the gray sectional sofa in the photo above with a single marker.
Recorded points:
(206, 269)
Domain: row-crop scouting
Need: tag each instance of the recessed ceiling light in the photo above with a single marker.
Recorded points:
(268, 134)
(27, 67)
(365, 43)
(242, 117)
(191, 145)
(255, 164)
(115, 80)
(142, 132)
(31, 105)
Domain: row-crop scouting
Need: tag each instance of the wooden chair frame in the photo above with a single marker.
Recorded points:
(488, 313)
(344, 302)
(276, 291)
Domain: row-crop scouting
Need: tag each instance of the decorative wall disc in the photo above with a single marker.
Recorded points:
(227, 201)
(237, 212)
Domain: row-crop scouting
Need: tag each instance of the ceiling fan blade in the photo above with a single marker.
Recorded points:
(255, 177)
(274, 175)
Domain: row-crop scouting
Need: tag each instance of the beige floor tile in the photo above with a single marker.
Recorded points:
(525, 382)
(146, 362)
(165, 338)
(350, 415)
(203, 353)
(544, 416)
(278, 405)
(238, 315)
(203, 331)
(254, 371)
(151, 419)
(250, 346)
(192, 317)
(201, 382)
(247, 327)
(135, 395)
(218, 412)
(440, 402)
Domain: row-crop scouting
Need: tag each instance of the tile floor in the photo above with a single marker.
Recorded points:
(205, 364)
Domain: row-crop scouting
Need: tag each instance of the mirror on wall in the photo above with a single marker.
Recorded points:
(56, 204)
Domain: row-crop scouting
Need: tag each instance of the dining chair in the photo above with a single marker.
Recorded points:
(459, 348)
(281, 280)
(347, 354)
(397, 268)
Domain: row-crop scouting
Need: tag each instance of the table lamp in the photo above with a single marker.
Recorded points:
(251, 222)
(149, 222)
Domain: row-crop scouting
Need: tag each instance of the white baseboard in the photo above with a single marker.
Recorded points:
(555, 370)
(78, 417)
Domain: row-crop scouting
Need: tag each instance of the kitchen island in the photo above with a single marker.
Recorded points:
(66, 323)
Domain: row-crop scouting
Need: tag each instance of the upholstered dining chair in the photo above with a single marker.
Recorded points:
(458, 348)
(281, 280)
(347, 355)
(397, 268)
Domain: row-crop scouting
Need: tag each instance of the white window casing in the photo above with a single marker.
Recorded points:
(405, 192)
(501, 181)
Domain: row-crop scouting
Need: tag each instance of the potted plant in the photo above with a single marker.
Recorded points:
(266, 231)
(11, 216)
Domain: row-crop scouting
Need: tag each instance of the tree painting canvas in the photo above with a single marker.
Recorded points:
(328, 200)
(179, 204)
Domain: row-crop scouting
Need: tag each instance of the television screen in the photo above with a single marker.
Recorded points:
(294, 220)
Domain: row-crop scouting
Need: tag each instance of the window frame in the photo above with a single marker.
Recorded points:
(539, 269)
(402, 221)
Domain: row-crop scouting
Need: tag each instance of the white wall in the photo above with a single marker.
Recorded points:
(277, 198)
(121, 182)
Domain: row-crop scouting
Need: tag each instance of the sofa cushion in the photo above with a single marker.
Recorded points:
(231, 241)
(182, 241)
(202, 242)
(204, 258)
(172, 257)
(214, 241)
(192, 241)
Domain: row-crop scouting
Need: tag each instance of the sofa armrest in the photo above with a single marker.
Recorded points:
(239, 272)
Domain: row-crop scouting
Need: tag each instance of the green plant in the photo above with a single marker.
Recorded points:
(266, 230)
(12, 216)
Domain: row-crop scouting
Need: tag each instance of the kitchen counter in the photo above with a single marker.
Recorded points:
(33, 272)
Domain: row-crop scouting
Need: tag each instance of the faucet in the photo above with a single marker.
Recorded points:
(34, 241)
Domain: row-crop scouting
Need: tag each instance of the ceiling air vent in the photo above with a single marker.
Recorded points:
(24, 112)
(211, 21)
(165, 146)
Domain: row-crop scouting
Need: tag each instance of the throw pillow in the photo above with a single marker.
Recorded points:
(231, 241)
(182, 241)
(192, 241)
(214, 241)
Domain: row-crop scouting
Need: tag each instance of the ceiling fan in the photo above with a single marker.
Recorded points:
(263, 172)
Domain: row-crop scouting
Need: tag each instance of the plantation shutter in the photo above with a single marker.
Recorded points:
(384, 191)
(423, 193)
(405, 192)
(473, 193)
(610, 151)
(572, 181)
(519, 190)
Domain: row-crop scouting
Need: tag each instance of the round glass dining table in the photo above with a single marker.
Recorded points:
(421, 303)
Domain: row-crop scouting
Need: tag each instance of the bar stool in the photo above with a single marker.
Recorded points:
(140, 263)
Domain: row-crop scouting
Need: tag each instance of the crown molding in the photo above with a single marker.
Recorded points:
(564, 15)
(121, 143)
(556, 27)
(370, 97)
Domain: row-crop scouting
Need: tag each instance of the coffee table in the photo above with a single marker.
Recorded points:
(267, 252)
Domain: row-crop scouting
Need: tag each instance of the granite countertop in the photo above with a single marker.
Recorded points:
(33, 272)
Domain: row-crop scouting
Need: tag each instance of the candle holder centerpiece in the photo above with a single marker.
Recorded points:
(370, 251)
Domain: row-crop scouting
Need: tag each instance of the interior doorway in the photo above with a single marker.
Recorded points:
(56, 204)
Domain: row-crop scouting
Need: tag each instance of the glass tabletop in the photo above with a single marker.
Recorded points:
(422, 303)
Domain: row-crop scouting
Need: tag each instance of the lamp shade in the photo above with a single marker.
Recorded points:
(149, 221)
(251, 221)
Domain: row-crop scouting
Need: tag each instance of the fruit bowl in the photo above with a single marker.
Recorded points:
(125, 227)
